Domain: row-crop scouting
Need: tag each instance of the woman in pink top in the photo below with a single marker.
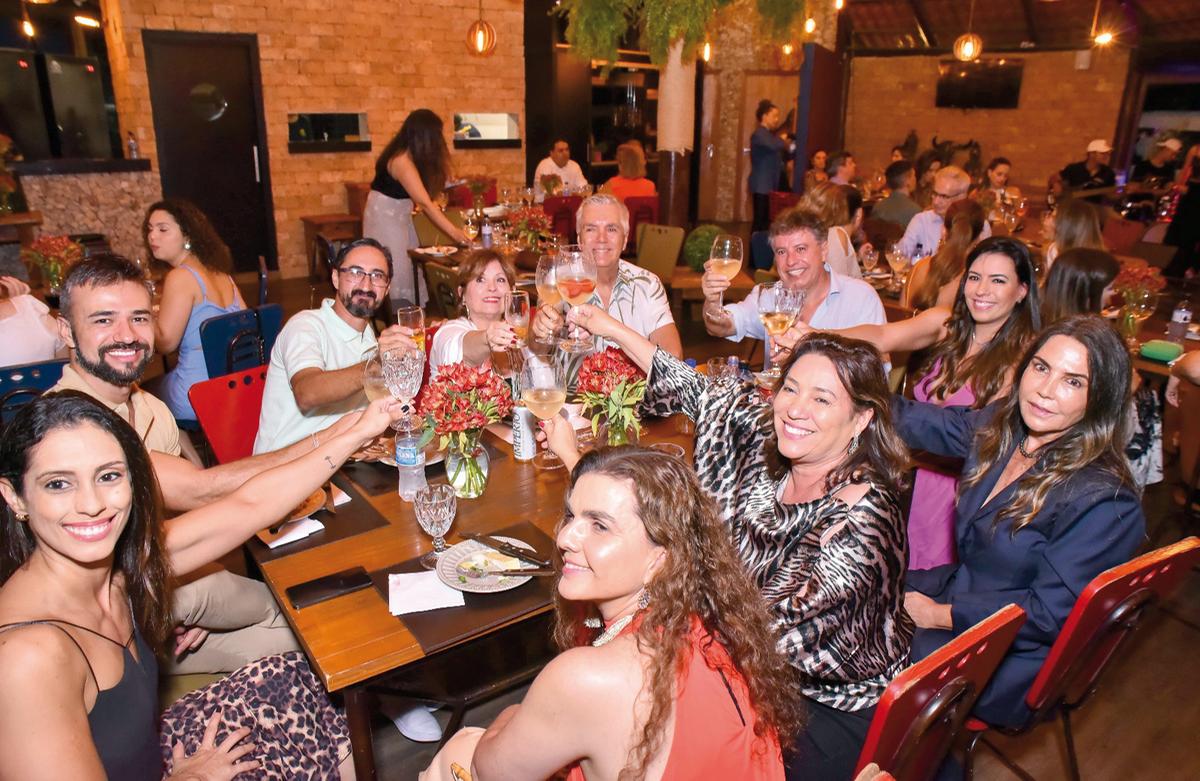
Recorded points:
(671, 669)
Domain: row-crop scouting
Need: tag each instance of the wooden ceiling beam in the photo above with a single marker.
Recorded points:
(923, 28)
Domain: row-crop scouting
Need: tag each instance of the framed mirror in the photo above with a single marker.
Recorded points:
(328, 132)
(486, 131)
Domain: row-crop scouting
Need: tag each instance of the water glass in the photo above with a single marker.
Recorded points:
(718, 368)
(435, 506)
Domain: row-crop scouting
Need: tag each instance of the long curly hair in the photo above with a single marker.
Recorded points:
(701, 578)
(140, 555)
(964, 223)
(987, 369)
(1097, 439)
(206, 245)
(422, 137)
(881, 456)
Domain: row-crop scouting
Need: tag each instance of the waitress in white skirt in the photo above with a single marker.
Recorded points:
(411, 170)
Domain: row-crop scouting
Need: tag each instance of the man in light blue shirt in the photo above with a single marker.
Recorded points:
(925, 230)
(831, 300)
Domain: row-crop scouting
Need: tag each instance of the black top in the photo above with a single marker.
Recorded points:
(124, 719)
(1145, 169)
(1078, 177)
(386, 184)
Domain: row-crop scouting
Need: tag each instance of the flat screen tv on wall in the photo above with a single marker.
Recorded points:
(989, 83)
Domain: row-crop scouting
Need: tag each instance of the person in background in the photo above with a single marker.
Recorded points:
(631, 294)
(841, 168)
(934, 280)
(1091, 173)
(1158, 165)
(411, 171)
(1047, 502)
(29, 332)
(1184, 230)
(898, 207)
(799, 240)
(897, 154)
(630, 181)
(928, 164)
(558, 163)
(997, 192)
(484, 280)
(198, 287)
(683, 681)
(315, 375)
(831, 203)
(1074, 223)
(767, 153)
(816, 170)
(924, 231)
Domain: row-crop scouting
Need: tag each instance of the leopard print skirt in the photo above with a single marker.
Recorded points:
(296, 730)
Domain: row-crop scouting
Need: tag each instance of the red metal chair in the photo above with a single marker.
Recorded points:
(642, 208)
(924, 707)
(1105, 615)
(781, 200)
(228, 408)
(561, 211)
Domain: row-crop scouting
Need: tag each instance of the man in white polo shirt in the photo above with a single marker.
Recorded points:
(315, 374)
(831, 300)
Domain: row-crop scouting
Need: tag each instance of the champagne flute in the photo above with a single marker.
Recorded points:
(516, 314)
(413, 317)
(575, 277)
(725, 258)
(434, 506)
(547, 291)
(778, 308)
(543, 384)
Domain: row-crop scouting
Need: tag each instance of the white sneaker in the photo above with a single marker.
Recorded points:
(415, 722)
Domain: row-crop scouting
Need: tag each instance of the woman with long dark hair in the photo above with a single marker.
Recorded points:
(1047, 500)
(1073, 223)
(934, 281)
(808, 485)
(971, 351)
(86, 563)
(197, 288)
(669, 667)
(410, 171)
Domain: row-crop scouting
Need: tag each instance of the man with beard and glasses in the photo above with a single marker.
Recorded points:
(106, 320)
(316, 371)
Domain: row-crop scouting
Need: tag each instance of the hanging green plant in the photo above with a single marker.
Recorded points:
(667, 21)
(595, 27)
(779, 15)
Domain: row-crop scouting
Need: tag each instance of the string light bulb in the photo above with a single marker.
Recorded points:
(1104, 38)
(839, 4)
(788, 49)
(706, 52)
(810, 25)
(86, 21)
(26, 24)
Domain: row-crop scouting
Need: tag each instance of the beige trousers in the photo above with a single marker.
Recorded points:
(243, 620)
(458, 750)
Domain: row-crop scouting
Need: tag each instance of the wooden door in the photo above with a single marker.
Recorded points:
(783, 89)
(710, 119)
(206, 98)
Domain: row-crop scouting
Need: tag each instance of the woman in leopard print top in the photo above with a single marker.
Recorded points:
(808, 485)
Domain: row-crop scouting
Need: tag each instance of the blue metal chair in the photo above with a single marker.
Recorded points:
(23, 383)
(239, 341)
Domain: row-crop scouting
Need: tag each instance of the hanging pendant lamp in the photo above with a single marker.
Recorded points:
(968, 46)
(481, 36)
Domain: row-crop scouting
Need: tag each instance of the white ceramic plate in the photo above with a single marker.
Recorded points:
(495, 211)
(438, 251)
(478, 556)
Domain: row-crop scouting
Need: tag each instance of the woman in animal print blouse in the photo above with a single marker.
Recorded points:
(808, 484)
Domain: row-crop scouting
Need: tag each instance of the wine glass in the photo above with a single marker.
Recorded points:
(506, 198)
(402, 375)
(516, 314)
(413, 317)
(778, 307)
(527, 199)
(543, 384)
(435, 506)
(900, 264)
(575, 277)
(869, 257)
(547, 291)
(725, 258)
(470, 227)
(373, 382)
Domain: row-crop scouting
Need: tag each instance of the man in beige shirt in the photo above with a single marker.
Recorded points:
(224, 620)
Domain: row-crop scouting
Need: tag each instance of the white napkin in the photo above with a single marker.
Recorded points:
(340, 497)
(416, 592)
(290, 532)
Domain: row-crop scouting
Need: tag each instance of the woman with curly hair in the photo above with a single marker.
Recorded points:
(934, 280)
(669, 668)
(197, 288)
(1047, 500)
(808, 486)
(971, 351)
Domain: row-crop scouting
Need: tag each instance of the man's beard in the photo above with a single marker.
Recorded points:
(358, 308)
(102, 370)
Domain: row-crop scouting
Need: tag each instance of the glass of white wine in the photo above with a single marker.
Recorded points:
(516, 314)
(543, 384)
(547, 290)
(413, 317)
(778, 308)
(470, 227)
(869, 257)
(900, 264)
(725, 258)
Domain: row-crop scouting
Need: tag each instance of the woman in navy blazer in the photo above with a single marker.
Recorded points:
(1045, 504)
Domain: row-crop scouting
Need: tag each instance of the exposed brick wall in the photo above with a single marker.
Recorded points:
(384, 58)
(1061, 110)
(112, 204)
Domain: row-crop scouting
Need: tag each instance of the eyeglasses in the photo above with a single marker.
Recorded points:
(355, 275)
(946, 196)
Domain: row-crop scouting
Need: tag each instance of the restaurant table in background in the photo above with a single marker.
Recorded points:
(353, 641)
(684, 287)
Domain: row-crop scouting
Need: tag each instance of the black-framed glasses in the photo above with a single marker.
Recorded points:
(355, 275)
(947, 196)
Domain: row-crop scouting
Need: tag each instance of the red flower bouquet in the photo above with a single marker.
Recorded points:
(610, 387)
(457, 404)
(531, 224)
(1138, 275)
(1139, 285)
(54, 255)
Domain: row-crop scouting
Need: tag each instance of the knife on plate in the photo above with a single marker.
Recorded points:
(508, 549)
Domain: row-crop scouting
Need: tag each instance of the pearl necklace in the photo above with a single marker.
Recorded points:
(612, 631)
(1024, 452)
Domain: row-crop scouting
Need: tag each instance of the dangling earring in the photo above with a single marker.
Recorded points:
(853, 444)
(22, 517)
(593, 622)
(187, 245)
(643, 599)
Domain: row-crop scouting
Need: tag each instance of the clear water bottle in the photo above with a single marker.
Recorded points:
(1181, 318)
(410, 462)
(485, 233)
(132, 146)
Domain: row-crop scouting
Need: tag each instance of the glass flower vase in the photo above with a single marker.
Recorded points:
(467, 467)
(614, 433)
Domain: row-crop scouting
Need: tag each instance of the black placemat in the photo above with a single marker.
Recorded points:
(354, 517)
(438, 629)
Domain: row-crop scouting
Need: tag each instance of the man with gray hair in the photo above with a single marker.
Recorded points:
(924, 232)
(631, 294)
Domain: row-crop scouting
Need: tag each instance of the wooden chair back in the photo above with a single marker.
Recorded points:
(443, 289)
(228, 409)
(642, 209)
(658, 249)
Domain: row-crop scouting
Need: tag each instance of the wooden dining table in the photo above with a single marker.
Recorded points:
(353, 641)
